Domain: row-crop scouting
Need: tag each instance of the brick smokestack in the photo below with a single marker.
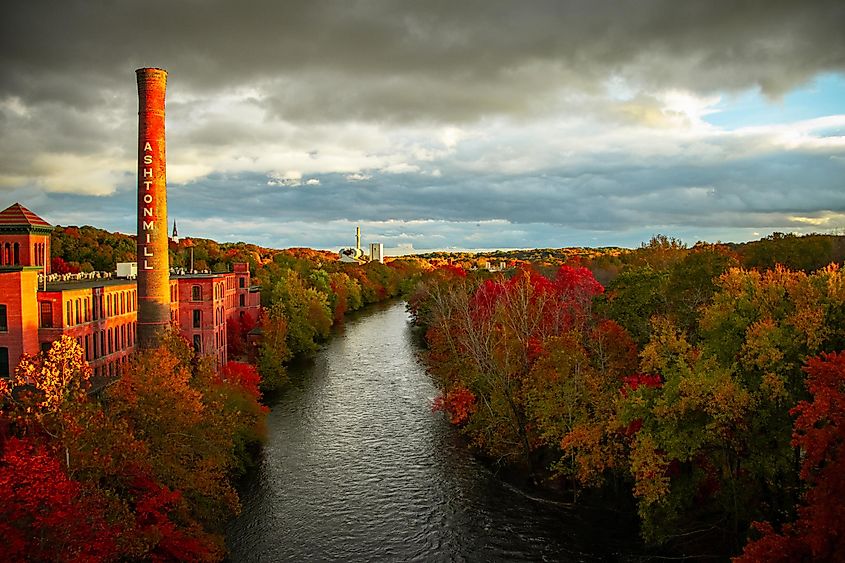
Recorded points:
(153, 264)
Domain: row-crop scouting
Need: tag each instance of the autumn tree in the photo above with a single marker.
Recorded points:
(46, 516)
(273, 351)
(189, 424)
(305, 309)
(719, 425)
(634, 297)
(484, 341)
(47, 390)
(690, 433)
(816, 534)
(658, 253)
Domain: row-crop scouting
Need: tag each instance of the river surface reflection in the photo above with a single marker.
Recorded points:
(358, 468)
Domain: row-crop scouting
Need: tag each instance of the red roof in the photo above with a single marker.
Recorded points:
(17, 214)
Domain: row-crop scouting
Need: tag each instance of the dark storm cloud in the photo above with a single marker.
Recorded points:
(388, 60)
(514, 123)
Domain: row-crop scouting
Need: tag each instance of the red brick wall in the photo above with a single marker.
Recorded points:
(32, 250)
(212, 307)
(251, 300)
(102, 319)
(17, 293)
(152, 240)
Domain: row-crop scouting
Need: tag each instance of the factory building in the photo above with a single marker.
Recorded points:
(101, 313)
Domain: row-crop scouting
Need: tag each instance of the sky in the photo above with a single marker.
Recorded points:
(440, 124)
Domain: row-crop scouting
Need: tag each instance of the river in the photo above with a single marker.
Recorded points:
(358, 468)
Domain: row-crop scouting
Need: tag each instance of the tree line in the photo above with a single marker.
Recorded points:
(708, 393)
(303, 294)
(142, 470)
(143, 467)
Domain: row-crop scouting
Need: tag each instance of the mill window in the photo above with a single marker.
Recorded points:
(4, 362)
(46, 314)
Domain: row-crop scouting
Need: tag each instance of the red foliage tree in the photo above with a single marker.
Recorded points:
(236, 335)
(638, 380)
(45, 516)
(59, 266)
(341, 301)
(818, 534)
(243, 375)
(453, 271)
(459, 403)
(154, 524)
(613, 348)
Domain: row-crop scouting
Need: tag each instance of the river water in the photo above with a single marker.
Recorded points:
(358, 468)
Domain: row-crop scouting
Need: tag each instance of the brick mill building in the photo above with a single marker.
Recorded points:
(101, 314)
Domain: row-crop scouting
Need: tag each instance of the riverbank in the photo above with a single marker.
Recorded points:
(358, 468)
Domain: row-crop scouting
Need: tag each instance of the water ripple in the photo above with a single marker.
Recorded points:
(357, 468)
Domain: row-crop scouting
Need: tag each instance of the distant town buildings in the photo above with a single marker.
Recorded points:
(405, 249)
(98, 310)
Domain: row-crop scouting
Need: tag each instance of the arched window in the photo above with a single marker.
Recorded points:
(17, 251)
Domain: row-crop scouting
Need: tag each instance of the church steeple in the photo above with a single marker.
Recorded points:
(175, 236)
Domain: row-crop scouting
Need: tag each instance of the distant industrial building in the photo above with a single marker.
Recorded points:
(377, 252)
(356, 254)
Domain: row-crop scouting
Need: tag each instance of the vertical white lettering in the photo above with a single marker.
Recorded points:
(147, 147)
(148, 212)
(147, 265)
(148, 198)
(148, 172)
(148, 159)
(149, 225)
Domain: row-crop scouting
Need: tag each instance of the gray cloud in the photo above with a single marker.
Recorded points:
(470, 124)
(431, 60)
